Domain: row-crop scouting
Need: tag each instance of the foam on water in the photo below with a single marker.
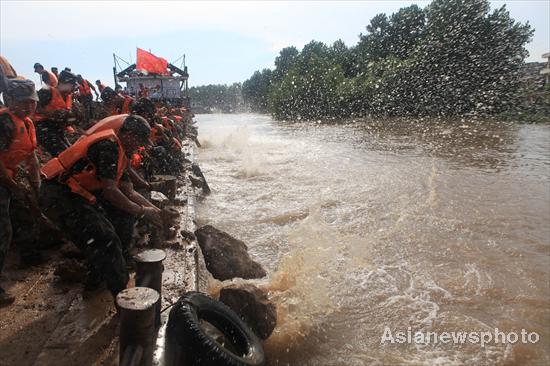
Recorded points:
(383, 232)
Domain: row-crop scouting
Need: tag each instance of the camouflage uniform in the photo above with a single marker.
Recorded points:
(17, 225)
(89, 229)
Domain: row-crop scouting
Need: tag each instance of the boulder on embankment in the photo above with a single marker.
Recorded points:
(226, 257)
(252, 305)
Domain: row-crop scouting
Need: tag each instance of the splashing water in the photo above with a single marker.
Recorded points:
(368, 227)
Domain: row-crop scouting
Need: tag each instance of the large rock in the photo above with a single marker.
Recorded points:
(253, 306)
(198, 180)
(225, 256)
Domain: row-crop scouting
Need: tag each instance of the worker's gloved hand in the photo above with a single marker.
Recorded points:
(152, 215)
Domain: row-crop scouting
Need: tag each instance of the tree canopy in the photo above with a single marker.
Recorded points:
(222, 98)
(454, 57)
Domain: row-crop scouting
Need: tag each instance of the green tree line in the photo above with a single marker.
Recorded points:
(453, 57)
(217, 98)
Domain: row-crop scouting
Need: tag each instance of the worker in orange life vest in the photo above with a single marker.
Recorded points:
(85, 89)
(100, 85)
(54, 114)
(47, 77)
(17, 146)
(143, 92)
(116, 103)
(161, 158)
(88, 193)
(115, 123)
(146, 108)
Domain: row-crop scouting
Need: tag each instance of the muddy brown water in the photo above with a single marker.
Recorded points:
(435, 226)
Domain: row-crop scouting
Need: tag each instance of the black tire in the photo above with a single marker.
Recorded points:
(185, 327)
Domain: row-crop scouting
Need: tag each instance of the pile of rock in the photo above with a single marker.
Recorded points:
(227, 258)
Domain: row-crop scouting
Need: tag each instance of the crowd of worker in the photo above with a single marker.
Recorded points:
(82, 166)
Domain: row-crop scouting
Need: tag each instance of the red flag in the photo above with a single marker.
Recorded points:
(151, 63)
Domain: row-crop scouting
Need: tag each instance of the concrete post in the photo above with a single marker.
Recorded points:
(149, 270)
(137, 325)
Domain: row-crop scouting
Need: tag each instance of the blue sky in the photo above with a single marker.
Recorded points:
(224, 41)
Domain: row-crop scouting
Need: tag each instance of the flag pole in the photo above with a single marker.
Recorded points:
(114, 70)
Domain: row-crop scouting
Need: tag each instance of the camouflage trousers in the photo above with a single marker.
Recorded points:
(90, 229)
(17, 225)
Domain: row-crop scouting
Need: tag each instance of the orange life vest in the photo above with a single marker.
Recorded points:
(126, 105)
(124, 108)
(169, 124)
(52, 78)
(143, 93)
(56, 102)
(115, 123)
(155, 135)
(84, 88)
(137, 157)
(108, 123)
(22, 145)
(83, 182)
